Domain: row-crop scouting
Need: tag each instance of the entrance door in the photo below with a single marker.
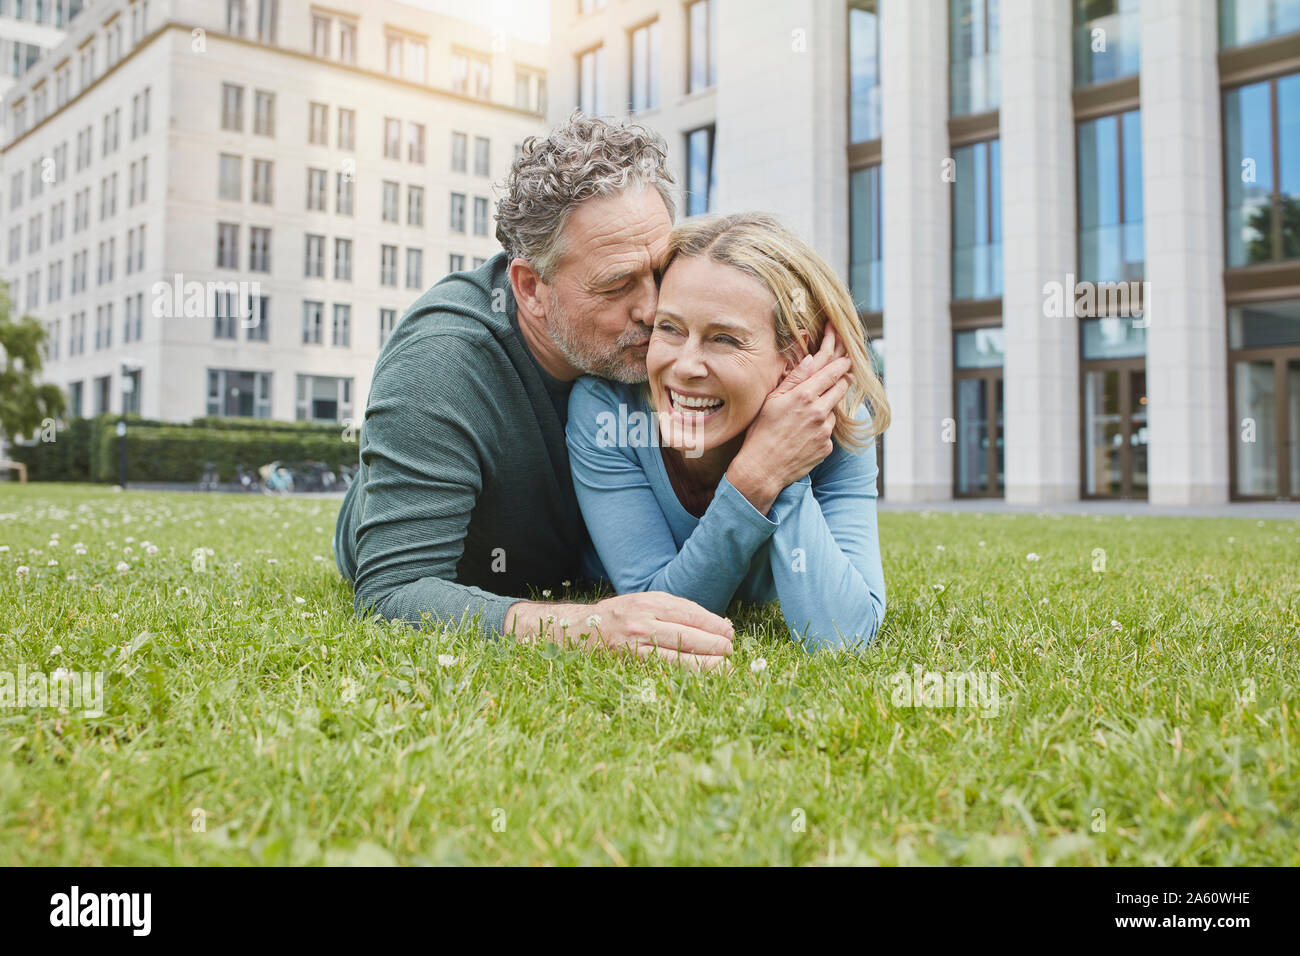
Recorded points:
(1115, 429)
(979, 458)
(1266, 424)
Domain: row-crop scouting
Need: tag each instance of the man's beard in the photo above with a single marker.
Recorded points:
(616, 363)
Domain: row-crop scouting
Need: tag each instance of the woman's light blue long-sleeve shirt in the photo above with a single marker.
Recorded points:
(817, 551)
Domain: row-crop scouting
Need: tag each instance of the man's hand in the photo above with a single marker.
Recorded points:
(792, 433)
(649, 624)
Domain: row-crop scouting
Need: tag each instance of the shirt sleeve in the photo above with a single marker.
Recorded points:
(424, 474)
(825, 555)
(628, 527)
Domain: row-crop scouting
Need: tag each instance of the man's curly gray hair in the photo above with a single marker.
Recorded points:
(582, 159)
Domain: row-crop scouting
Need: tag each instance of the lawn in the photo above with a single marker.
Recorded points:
(1145, 713)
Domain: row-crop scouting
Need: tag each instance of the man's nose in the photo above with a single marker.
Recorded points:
(646, 302)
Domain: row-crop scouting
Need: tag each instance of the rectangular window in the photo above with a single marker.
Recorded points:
(645, 67)
(314, 259)
(388, 265)
(343, 259)
(324, 399)
(264, 113)
(864, 71)
(313, 319)
(455, 262)
(262, 175)
(237, 394)
(316, 189)
(457, 212)
(482, 156)
(417, 57)
(227, 245)
(591, 81)
(347, 129)
(1242, 22)
(977, 222)
(320, 35)
(480, 216)
(347, 43)
(343, 194)
(387, 322)
(865, 234)
(1261, 130)
(341, 333)
(225, 314)
(699, 171)
(230, 186)
(471, 74)
(459, 143)
(232, 107)
(393, 55)
(973, 75)
(415, 205)
(415, 142)
(1107, 36)
(388, 213)
(702, 39)
(318, 119)
(392, 138)
(1111, 241)
(259, 249)
(259, 318)
(414, 269)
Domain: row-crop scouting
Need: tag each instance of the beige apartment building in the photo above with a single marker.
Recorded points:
(222, 207)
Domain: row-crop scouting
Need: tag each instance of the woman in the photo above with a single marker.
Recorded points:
(742, 302)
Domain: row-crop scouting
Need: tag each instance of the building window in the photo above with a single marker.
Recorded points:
(318, 124)
(1261, 130)
(314, 257)
(480, 216)
(865, 235)
(1111, 242)
(268, 15)
(227, 245)
(229, 184)
(262, 177)
(388, 265)
(1106, 40)
(387, 322)
(417, 57)
(388, 212)
(236, 394)
(700, 180)
(415, 142)
(471, 74)
(259, 318)
(458, 212)
(347, 129)
(645, 67)
(702, 43)
(530, 90)
(455, 262)
(978, 397)
(235, 20)
(591, 81)
(313, 321)
(343, 259)
(263, 113)
(347, 43)
(324, 399)
(977, 222)
(415, 205)
(864, 71)
(393, 57)
(392, 139)
(1248, 21)
(343, 197)
(1264, 363)
(974, 84)
(232, 107)
(224, 314)
(259, 249)
(414, 269)
(459, 143)
(320, 36)
(341, 332)
(316, 189)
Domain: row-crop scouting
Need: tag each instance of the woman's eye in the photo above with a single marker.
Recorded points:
(726, 340)
(664, 327)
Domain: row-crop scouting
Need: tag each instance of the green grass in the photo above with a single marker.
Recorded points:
(243, 725)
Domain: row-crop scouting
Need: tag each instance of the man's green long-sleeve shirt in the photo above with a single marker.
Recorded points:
(464, 496)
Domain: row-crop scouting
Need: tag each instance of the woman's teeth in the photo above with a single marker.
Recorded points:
(694, 406)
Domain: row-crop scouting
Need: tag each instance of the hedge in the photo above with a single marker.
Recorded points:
(87, 449)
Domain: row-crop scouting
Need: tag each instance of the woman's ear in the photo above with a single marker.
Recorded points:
(798, 349)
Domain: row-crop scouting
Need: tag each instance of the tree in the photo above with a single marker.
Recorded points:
(24, 404)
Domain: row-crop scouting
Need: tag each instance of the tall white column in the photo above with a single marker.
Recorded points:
(917, 248)
(1041, 386)
(782, 103)
(1182, 189)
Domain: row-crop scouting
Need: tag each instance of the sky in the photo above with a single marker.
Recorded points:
(525, 19)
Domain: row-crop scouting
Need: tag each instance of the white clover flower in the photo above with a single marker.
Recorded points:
(123, 567)
(348, 688)
(549, 619)
(937, 587)
(645, 694)
(60, 674)
(272, 560)
(79, 548)
(51, 563)
(128, 550)
(546, 592)
(565, 583)
(151, 549)
(52, 543)
(317, 557)
(593, 620)
(1043, 601)
(130, 540)
(114, 617)
(4, 548)
(939, 547)
(981, 544)
(446, 660)
(184, 590)
(55, 651)
(1032, 556)
(22, 570)
(758, 665)
(1117, 625)
(299, 600)
(563, 622)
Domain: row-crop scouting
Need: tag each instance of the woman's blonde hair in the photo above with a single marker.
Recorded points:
(808, 295)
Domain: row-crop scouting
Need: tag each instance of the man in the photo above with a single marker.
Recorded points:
(464, 497)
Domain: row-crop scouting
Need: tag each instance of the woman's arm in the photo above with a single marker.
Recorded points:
(825, 554)
(627, 523)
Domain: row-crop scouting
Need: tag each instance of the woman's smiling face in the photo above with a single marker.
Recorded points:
(713, 356)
